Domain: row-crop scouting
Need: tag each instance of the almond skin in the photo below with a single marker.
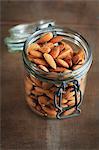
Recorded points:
(45, 38)
(62, 63)
(43, 68)
(55, 52)
(56, 39)
(39, 61)
(49, 59)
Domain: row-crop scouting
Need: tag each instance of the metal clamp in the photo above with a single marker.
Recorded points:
(58, 105)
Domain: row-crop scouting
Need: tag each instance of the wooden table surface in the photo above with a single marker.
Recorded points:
(21, 128)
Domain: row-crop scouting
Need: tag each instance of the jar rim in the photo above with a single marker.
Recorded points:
(65, 32)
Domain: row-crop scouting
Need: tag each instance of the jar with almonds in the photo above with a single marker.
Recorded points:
(56, 64)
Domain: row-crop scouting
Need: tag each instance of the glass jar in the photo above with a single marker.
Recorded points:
(56, 95)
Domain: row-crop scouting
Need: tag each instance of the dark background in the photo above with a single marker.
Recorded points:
(21, 128)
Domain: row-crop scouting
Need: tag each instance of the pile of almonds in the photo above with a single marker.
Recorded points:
(52, 54)
(40, 97)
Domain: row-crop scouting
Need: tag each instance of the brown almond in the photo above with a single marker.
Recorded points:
(45, 38)
(81, 62)
(49, 59)
(39, 61)
(36, 81)
(43, 100)
(67, 71)
(33, 46)
(50, 95)
(62, 63)
(50, 112)
(56, 39)
(64, 105)
(55, 52)
(40, 90)
(46, 85)
(64, 54)
(38, 108)
(45, 49)
(64, 100)
(58, 69)
(72, 102)
(68, 59)
(43, 68)
(35, 54)
(78, 56)
(69, 95)
(69, 112)
(61, 47)
(76, 67)
(36, 93)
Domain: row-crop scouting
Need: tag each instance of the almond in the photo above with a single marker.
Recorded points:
(78, 56)
(76, 67)
(55, 52)
(35, 54)
(36, 93)
(38, 107)
(68, 59)
(67, 71)
(43, 100)
(39, 61)
(68, 112)
(62, 63)
(46, 85)
(45, 49)
(72, 102)
(49, 59)
(69, 95)
(45, 38)
(50, 95)
(56, 39)
(33, 46)
(67, 46)
(64, 100)
(43, 68)
(60, 69)
(39, 89)
(64, 53)
(61, 47)
(50, 112)
(36, 81)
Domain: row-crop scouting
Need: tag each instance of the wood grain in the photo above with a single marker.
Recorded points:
(21, 128)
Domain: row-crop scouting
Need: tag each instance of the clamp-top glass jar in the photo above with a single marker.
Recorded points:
(56, 94)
